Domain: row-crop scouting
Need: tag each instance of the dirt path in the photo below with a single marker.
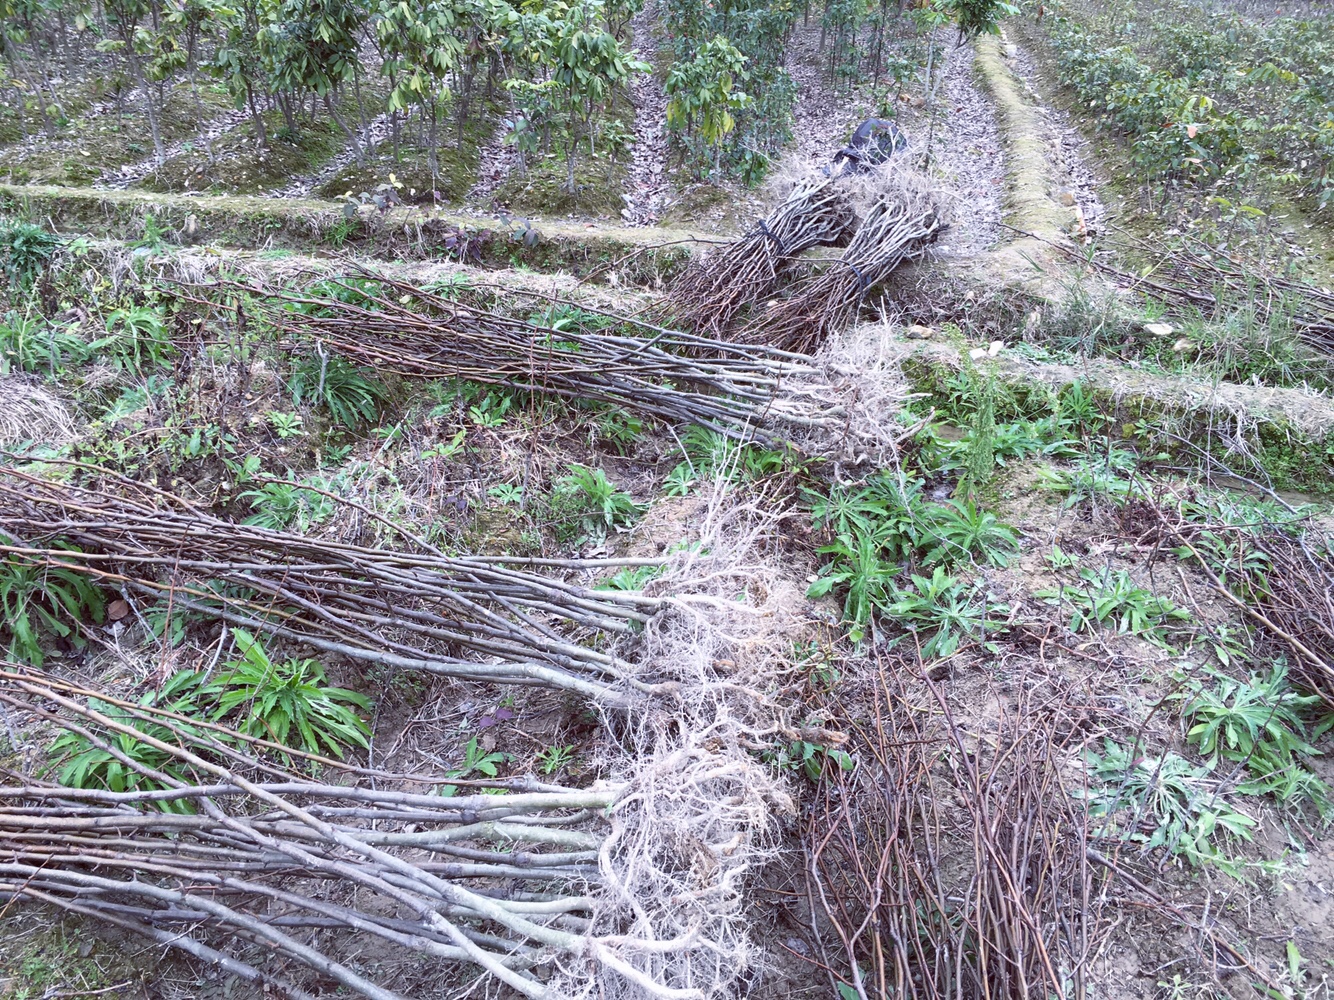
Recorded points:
(963, 147)
(647, 188)
(1066, 147)
(495, 161)
(371, 136)
(132, 173)
(822, 120)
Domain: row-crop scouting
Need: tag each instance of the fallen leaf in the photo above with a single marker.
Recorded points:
(117, 610)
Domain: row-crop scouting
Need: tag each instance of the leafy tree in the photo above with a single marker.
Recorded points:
(975, 17)
(760, 30)
(141, 47)
(314, 50)
(186, 24)
(239, 60)
(702, 95)
(588, 64)
(18, 21)
(421, 44)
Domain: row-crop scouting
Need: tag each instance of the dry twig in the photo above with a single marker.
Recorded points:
(418, 610)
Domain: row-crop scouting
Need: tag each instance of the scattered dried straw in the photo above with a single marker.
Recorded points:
(31, 414)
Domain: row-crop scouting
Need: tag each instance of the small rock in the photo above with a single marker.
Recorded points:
(1159, 329)
(978, 353)
(995, 347)
(1184, 344)
(919, 332)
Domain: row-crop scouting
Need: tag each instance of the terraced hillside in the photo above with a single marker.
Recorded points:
(469, 529)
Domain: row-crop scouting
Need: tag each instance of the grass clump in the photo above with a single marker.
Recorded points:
(351, 395)
(586, 505)
(25, 249)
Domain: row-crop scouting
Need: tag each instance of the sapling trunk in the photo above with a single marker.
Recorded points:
(351, 134)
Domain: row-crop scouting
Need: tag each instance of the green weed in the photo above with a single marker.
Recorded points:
(24, 250)
(352, 396)
(1111, 599)
(1259, 723)
(631, 578)
(1164, 802)
(962, 531)
(476, 761)
(811, 759)
(554, 758)
(585, 503)
(42, 603)
(280, 506)
(942, 610)
(285, 701)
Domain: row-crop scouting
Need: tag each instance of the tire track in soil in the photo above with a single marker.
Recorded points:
(1077, 183)
(647, 186)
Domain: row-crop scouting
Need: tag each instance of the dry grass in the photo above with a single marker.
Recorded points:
(32, 414)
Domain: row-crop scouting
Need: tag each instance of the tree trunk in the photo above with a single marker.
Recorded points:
(432, 159)
(571, 148)
(23, 118)
(203, 118)
(258, 118)
(16, 61)
(351, 134)
(393, 121)
(356, 90)
(159, 151)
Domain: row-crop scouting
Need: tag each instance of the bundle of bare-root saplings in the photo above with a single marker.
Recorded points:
(882, 216)
(462, 617)
(903, 220)
(358, 881)
(744, 393)
(818, 211)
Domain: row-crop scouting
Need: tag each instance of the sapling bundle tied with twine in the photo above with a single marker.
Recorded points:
(817, 211)
(903, 220)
